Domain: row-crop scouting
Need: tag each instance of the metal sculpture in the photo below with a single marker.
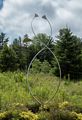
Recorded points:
(45, 47)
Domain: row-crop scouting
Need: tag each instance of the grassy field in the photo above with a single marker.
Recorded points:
(14, 91)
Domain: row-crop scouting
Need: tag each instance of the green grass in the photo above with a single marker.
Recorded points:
(13, 89)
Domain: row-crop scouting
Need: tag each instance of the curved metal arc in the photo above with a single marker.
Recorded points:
(28, 75)
(59, 73)
(43, 18)
(32, 26)
(50, 26)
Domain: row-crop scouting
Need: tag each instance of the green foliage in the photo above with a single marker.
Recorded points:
(53, 114)
(21, 58)
(40, 67)
(64, 115)
(26, 40)
(65, 111)
(38, 42)
(7, 59)
(40, 39)
(15, 97)
(36, 66)
(44, 116)
(45, 67)
(13, 89)
(28, 116)
(18, 115)
(3, 40)
(68, 51)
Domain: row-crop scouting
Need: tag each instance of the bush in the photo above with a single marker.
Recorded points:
(36, 66)
(28, 116)
(44, 116)
(18, 115)
(33, 106)
(63, 115)
(5, 115)
(45, 68)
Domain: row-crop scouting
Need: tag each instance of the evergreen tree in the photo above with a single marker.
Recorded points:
(3, 40)
(26, 40)
(20, 53)
(7, 59)
(68, 51)
(38, 41)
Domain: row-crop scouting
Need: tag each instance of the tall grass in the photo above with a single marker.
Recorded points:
(13, 89)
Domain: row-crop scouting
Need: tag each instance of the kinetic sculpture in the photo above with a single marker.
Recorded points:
(45, 47)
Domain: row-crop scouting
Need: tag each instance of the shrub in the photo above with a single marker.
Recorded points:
(64, 105)
(5, 115)
(79, 116)
(36, 66)
(63, 115)
(45, 68)
(44, 116)
(28, 116)
(18, 115)
(33, 106)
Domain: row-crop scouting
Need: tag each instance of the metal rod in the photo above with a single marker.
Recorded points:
(45, 18)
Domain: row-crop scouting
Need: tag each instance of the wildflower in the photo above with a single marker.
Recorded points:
(79, 116)
(64, 104)
(28, 115)
(3, 115)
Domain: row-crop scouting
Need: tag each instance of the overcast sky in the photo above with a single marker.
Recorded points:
(16, 16)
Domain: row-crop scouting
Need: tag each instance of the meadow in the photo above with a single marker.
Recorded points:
(15, 96)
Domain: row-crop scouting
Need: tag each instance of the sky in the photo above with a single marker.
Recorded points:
(16, 16)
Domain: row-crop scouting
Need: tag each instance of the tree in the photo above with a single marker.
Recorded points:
(3, 40)
(20, 53)
(38, 41)
(7, 59)
(26, 40)
(68, 51)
